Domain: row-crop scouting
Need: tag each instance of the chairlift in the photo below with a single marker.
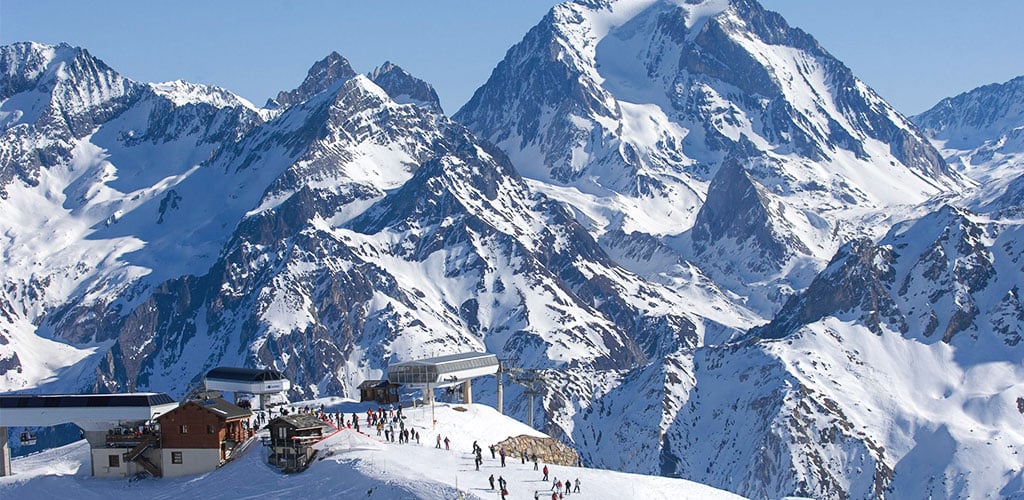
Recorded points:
(28, 438)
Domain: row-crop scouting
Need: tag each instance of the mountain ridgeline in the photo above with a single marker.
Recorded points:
(732, 261)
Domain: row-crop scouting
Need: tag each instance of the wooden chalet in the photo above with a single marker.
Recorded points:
(200, 435)
(292, 438)
(380, 391)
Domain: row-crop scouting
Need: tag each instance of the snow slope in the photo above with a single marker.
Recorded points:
(356, 466)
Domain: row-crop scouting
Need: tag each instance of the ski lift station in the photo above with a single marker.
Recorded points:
(148, 431)
(444, 371)
(261, 383)
(93, 413)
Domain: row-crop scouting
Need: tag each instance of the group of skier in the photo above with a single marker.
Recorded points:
(558, 488)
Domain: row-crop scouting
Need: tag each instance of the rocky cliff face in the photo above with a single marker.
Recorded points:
(636, 106)
(325, 238)
(981, 133)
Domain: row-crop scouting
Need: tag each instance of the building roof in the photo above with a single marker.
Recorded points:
(451, 360)
(135, 399)
(443, 369)
(218, 406)
(375, 384)
(299, 421)
(245, 374)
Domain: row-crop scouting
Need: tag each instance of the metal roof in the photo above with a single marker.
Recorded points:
(443, 369)
(245, 374)
(220, 407)
(451, 360)
(135, 399)
(300, 421)
(374, 384)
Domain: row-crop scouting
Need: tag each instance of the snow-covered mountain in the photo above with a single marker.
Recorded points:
(896, 373)
(328, 236)
(627, 110)
(731, 260)
(96, 167)
(981, 134)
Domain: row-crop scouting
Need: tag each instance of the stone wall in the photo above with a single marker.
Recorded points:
(548, 450)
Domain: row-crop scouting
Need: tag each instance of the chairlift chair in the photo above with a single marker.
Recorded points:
(28, 438)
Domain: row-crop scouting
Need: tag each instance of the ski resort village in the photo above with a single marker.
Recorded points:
(656, 249)
(255, 444)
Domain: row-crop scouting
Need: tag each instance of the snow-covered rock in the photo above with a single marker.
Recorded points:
(632, 107)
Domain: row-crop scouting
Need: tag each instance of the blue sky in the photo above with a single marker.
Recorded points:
(913, 52)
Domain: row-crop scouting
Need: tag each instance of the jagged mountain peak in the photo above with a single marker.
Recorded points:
(181, 92)
(323, 74)
(405, 88)
(646, 101)
(981, 133)
(931, 279)
(968, 119)
(23, 63)
(72, 76)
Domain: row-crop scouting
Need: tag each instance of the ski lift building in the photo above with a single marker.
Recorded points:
(95, 414)
(260, 382)
(444, 371)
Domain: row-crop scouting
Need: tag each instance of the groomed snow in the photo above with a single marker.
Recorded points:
(356, 466)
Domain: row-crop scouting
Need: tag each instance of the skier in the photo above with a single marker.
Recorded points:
(534, 461)
(568, 486)
(491, 480)
(446, 442)
(576, 486)
(545, 473)
(492, 451)
(438, 442)
(502, 453)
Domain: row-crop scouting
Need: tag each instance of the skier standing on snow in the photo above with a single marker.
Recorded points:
(545, 473)
(576, 489)
(491, 480)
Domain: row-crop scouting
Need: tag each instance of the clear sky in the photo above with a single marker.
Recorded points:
(913, 52)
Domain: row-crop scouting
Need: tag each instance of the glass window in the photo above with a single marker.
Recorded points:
(184, 429)
(114, 461)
